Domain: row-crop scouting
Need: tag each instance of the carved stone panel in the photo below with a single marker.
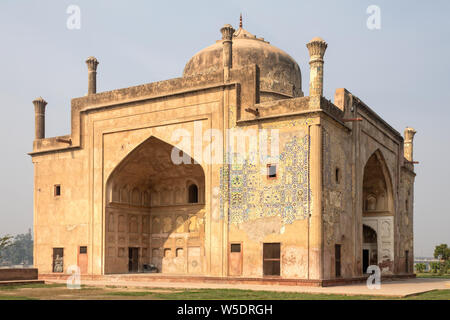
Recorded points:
(167, 224)
(194, 260)
(179, 224)
(122, 224)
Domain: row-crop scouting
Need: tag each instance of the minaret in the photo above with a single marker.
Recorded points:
(39, 118)
(227, 36)
(316, 48)
(408, 144)
(92, 64)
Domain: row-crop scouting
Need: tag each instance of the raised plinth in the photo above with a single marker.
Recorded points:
(139, 278)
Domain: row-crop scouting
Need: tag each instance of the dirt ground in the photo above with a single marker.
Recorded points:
(61, 292)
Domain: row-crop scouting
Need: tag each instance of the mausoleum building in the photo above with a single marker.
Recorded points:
(229, 171)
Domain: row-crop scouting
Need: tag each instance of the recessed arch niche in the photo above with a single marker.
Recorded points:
(377, 215)
(148, 213)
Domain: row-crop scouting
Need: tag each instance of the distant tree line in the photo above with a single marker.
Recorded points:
(16, 250)
(441, 252)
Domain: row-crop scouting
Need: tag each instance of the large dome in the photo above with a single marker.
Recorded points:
(280, 75)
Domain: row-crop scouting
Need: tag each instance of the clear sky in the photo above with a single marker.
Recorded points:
(402, 71)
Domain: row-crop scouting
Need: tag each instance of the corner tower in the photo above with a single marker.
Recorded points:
(316, 48)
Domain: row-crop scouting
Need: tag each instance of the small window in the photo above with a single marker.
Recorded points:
(271, 259)
(193, 193)
(338, 176)
(235, 247)
(83, 250)
(57, 190)
(271, 171)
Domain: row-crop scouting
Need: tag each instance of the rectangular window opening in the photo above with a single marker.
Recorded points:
(57, 190)
(271, 171)
(83, 250)
(58, 259)
(235, 247)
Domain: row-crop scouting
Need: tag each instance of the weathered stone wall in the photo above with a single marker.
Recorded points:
(263, 210)
(60, 221)
(338, 213)
(405, 221)
(107, 136)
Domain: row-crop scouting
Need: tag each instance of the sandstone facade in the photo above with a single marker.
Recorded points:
(336, 198)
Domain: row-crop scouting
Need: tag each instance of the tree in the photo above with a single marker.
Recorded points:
(447, 267)
(443, 251)
(420, 267)
(435, 267)
(5, 241)
(19, 251)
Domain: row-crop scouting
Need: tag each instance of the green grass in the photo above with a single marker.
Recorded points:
(433, 275)
(41, 291)
(236, 294)
(131, 293)
(34, 285)
(432, 295)
(16, 298)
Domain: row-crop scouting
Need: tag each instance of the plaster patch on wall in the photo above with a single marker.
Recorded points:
(257, 230)
(295, 262)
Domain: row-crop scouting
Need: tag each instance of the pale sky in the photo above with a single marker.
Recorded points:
(402, 71)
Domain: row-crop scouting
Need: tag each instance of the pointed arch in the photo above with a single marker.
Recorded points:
(378, 212)
(193, 193)
(150, 189)
(378, 195)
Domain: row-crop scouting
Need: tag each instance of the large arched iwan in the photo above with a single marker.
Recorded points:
(150, 225)
(378, 215)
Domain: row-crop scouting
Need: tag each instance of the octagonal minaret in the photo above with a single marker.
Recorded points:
(39, 118)
(92, 64)
(316, 48)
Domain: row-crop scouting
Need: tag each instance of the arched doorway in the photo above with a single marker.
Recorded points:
(152, 222)
(378, 215)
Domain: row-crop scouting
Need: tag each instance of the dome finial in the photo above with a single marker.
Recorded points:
(240, 21)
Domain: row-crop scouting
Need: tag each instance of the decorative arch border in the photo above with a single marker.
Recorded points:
(387, 177)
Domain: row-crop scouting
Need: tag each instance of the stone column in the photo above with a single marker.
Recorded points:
(39, 118)
(227, 41)
(316, 48)
(92, 64)
(408, 144)
(315, 220)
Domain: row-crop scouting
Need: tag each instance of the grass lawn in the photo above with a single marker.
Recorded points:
(433, 275)
(15, 298)
(60, 292)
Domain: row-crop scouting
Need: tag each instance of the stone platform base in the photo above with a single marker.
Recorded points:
(146, 277)
(13, 274)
